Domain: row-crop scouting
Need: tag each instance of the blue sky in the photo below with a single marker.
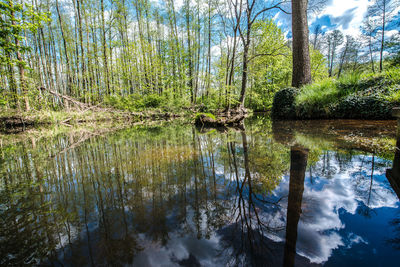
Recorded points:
(344, 15)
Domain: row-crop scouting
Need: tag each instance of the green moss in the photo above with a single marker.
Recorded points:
(212, 116)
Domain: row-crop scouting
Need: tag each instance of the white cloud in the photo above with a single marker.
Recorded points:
(338, 8)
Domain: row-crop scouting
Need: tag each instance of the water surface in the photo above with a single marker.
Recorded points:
(303, 193)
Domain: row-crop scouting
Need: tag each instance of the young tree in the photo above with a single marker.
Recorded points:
(368, 31)
(383, 11)
(333, 41)
(245, 21)
(15, 20)
(347, 54)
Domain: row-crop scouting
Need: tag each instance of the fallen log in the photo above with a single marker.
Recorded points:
(203, 120)
(78, 104)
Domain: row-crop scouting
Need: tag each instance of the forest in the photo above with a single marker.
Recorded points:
(199, 133)
(172, 55)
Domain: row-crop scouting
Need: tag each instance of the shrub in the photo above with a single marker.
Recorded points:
(152, 101)
(134, 102)
(364, 107)
(283, 106)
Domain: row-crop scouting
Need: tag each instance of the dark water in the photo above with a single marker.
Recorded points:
(305, 193)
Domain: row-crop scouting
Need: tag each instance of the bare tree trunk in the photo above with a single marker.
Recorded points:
(23, 85)
(103, 39)
(190, 84)
(69, 82)
(370, 53)
(298, 165)
(383, 36)
(301, 55)
(244, 72)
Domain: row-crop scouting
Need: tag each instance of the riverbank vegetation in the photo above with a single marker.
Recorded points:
(354, 95)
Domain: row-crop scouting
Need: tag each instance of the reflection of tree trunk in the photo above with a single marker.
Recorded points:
(298, 164)
(372, 178)
(393, 175)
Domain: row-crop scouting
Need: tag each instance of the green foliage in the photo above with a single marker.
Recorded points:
(284, 104)
(134, 102)
(16, 18)
(270, 65)
(3, 97)
(319, 71)
(199, 114)
(209, 103)
(393, 75)
(354, 95)
(364, 107)
(318, 94)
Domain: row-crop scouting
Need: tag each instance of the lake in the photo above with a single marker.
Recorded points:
(168, 194)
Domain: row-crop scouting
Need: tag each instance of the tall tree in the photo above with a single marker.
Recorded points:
(301, 55)
(333, 40)
(383, 11)
(245, 21)
(368, 34)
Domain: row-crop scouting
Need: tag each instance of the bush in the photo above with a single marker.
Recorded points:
(283, 106)
(134, 102)
(152, 101)
(366, 96)
(365, 107)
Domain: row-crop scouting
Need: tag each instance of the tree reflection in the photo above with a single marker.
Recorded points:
(106, 200)
(298, 165)
(393, 176)
(246, 235)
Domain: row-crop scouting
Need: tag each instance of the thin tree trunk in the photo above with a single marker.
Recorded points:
(23, 85)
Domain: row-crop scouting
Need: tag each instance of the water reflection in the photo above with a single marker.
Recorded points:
(393, 176)
(298, 165)
(151, 196)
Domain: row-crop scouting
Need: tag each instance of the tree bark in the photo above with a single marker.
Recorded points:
(21, 69)
(383, 35)
(301, 55)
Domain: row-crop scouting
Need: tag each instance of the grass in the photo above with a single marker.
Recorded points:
(331, 89)
(353, 93)
(318, 93)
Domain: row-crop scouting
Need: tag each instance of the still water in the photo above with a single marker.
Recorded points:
(274, 194)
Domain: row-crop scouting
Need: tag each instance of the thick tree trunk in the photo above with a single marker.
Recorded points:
(298, 165)
(301, 57)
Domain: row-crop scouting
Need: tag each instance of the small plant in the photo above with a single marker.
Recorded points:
(198, 115)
